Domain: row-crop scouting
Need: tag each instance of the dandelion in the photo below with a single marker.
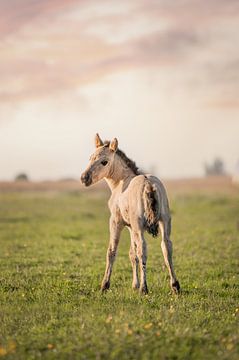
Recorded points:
(229, 346)
(148, 326)
(3, 351)
(109, 319)
(171, 309)
(11, 346)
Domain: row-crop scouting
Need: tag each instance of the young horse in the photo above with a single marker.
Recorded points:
(138, 202)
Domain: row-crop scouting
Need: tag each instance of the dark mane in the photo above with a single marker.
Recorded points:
(130, 163)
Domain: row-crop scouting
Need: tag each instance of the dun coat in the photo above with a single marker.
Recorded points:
(137, 201)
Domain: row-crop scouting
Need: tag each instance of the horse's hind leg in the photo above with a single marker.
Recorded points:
(167, 249)
(141, 246)
(134, 262)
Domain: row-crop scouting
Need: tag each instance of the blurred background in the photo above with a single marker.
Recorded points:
(161, 76)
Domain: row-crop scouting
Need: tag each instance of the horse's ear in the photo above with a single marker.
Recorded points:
(114, 145)
(98, 141)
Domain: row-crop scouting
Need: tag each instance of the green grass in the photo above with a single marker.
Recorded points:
(52, 259)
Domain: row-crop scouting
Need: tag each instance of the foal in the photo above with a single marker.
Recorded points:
(138, 202)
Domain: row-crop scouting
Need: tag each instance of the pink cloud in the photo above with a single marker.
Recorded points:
(15, 13)
(55, 53)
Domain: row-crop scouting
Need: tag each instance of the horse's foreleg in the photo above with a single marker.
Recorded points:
(142, 258)
(167, 249)
(115, 230)
(134, 262)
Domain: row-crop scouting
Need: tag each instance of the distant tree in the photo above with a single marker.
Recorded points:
(216, 168)
(21, 177)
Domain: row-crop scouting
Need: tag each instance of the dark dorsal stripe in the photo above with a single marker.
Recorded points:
(130, 163)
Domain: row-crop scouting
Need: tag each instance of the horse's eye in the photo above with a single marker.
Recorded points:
(104, 162)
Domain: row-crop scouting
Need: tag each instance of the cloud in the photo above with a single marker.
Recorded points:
(52, 46)
(171, 44)
(224, 72)
(224, 80)
(15, 14)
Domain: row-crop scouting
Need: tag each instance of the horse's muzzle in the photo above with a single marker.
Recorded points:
(86, 179)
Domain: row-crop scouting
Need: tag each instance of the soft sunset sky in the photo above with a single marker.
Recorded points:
(162, 76)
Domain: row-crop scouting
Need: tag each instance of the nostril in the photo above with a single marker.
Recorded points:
(85, 177)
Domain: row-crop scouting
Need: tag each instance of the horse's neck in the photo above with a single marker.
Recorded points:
(121, 179)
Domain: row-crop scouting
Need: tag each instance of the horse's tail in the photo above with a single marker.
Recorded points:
(151, 209)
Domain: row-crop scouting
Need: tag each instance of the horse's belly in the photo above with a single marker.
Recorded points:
(131, 209)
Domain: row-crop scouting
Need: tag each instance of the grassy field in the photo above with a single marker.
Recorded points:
(52, 259)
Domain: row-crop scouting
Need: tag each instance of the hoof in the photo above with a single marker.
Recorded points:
(105, 286)
(175, 287)
(144, 290)
(135, 286)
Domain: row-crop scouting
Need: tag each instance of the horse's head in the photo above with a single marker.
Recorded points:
(101, 161)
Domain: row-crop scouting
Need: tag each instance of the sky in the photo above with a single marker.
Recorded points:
(161, 76)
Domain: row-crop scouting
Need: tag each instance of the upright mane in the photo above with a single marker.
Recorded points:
(138, 202)
(130, 163)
